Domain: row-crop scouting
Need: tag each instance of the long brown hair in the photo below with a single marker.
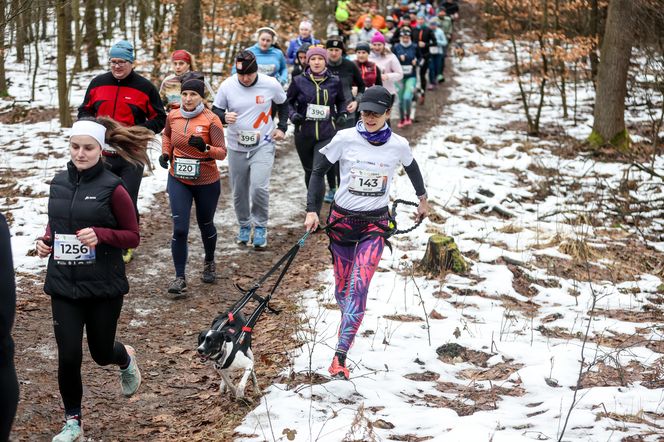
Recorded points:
(130, 142)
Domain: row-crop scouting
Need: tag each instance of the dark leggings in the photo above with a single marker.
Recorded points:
(308, 150)
(8, 395)
(100, 318)
(181, 197)
(131, 175)
(424, 71)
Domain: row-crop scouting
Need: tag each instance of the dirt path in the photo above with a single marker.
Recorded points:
(178, 399)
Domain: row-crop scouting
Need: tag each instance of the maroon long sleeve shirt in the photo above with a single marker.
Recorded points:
(125, 235)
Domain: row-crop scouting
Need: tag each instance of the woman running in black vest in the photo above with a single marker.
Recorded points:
(91, 219)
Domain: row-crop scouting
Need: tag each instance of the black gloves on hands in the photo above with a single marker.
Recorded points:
(198, 143)
(341, 119)
(163, 160)
(297, 119)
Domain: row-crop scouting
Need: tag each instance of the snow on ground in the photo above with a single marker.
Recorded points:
(522, 387)
(519, 387)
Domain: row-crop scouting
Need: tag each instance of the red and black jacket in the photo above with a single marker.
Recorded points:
(132, 101)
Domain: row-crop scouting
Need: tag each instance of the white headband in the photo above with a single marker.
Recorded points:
(90, 128)
(306, 24)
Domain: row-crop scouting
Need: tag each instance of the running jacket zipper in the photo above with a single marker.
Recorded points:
(71, 229)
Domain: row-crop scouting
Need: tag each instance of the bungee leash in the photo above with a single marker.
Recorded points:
(263, 301)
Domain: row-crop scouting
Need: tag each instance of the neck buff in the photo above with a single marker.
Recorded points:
(406, 45)
(319, 76)
(379, 137)
(194, 113)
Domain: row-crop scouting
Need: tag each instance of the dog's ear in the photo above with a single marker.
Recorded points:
(201, 337)
(228, 338)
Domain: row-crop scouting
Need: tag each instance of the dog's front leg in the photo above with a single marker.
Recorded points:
(226, 383)
(254, 381)
(248, 371)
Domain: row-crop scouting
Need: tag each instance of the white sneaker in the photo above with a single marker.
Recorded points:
(71, 432)
(130, 377)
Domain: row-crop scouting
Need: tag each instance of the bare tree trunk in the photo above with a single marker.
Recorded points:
(63, 95)
(109, 23)
(190, 35)
(143, 14)
(594, 32)
(91, 37)
(3, 78)
(157, 30)
(35, 41)
(123, 18)
(609, 113)
(69, 42)
(78, 39)
(21, 25)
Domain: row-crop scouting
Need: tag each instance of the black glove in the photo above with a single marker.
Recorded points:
(297, 119)
(341, 119)
(198, 143)
(163, 160)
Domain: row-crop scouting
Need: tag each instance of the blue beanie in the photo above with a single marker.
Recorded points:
(122, 49)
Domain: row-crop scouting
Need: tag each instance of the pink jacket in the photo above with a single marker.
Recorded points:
(390, 69)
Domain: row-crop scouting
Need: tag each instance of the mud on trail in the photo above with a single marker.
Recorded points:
(179, 397)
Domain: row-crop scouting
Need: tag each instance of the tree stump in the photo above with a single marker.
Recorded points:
(442, 254)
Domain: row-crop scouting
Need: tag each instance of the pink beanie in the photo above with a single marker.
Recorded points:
(315, 50)
(378, 38)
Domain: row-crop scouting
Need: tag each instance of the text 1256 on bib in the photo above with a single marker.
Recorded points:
(317, 112)
(248, 138)
(187, 168)
(367, 182)
(68, 250)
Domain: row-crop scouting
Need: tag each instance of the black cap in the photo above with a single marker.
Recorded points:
(376, 99)
(194, 85)
(363, 46)
(245, 63)
(334, 43)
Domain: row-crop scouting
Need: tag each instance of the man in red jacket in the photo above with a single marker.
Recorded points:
(130, 99)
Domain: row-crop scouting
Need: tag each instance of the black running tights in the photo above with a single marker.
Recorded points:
(100, 318)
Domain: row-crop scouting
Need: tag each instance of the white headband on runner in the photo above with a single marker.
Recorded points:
(92, 129)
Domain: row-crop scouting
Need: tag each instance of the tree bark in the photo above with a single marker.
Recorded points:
(609, 113)
(78, 38)
(91, 36)
(190, 35)
(69, 41)
(63, 95)
(21, 29)
(3, 25)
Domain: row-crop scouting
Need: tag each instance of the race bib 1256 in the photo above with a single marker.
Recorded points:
(68, 250)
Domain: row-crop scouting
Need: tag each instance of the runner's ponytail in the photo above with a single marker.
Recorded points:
(131, 143)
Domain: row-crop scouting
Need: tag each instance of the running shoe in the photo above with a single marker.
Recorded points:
(260, 237)
(441, 78)
(178, 288)
(338, 369)
(430, 86)
(243, 236)
(401, 124)
(209, 272)
(407, 122)
(130, 377)
(421, 99)
(329, 196)
(71, 432)
(127, 255)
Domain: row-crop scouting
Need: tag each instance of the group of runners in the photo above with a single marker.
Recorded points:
(339, 105)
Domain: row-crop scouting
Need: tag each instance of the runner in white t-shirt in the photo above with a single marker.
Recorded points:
(244, 102)
(368, 156)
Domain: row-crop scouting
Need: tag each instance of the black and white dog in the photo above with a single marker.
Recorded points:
(228, 355)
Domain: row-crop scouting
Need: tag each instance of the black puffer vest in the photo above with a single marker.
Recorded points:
(80, 200)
